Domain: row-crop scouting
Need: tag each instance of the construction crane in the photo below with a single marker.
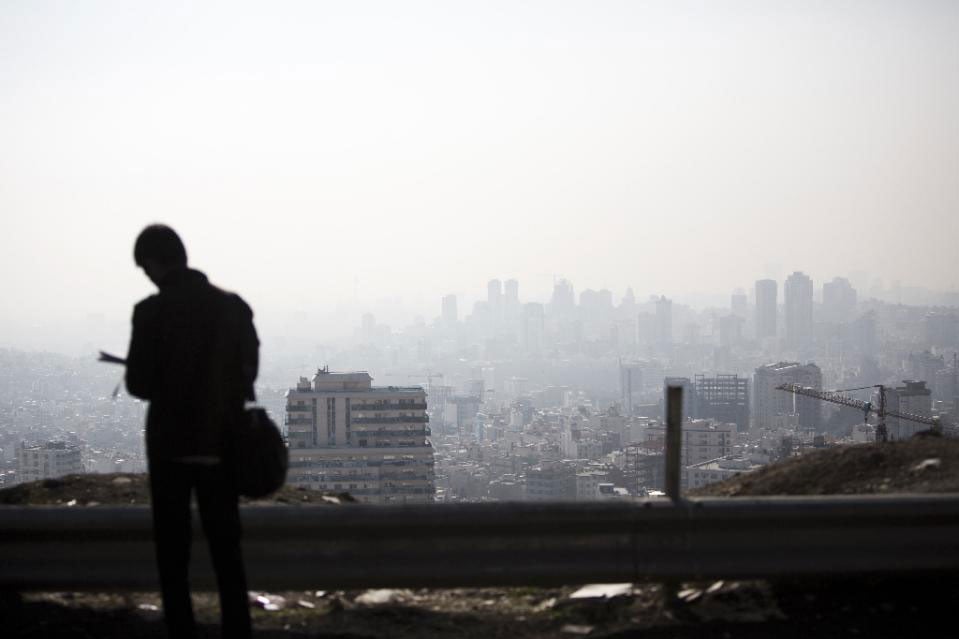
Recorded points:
(837, 397)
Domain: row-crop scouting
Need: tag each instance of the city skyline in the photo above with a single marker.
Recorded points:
(315, 155)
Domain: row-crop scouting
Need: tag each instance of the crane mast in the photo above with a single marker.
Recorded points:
(837, 397)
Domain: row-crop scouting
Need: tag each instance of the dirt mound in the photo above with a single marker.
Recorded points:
(131, 488)
(920, 465)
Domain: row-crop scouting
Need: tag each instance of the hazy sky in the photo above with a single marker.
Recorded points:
(309, 151)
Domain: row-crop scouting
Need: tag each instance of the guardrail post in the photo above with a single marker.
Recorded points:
(674, 440)
(673, 444)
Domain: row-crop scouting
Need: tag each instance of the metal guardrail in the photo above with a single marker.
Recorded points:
(358, 546)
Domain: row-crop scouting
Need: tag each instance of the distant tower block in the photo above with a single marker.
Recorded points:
(766, 303)
(797, 293)
(512, 292)
(450, 313)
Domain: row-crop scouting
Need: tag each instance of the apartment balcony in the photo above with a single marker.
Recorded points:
(298, 421)
(374, 434)
(331, 479)
(299, 408)
(391, 406)
(413, 419)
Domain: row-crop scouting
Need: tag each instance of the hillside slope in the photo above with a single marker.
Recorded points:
(921, 465)
(131, 488)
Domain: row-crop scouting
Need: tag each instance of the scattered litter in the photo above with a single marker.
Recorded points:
(545, 605)
(331, 500)
(597, 591)
(379, 596)
(119, 481)
(319, 593)
(267, 601)
(303, 603)
(926, 464)
(148, 607)
(72, 502)
(690, 595)
(716, 587)
(574, 629)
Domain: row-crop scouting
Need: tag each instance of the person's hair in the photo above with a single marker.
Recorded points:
(160, 243)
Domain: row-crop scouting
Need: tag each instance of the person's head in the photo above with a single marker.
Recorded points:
(159, 250)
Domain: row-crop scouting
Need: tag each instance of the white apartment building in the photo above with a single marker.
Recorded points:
(587, 484)
(45, 461)
(703, 440)
(714, 470)
(372, 442)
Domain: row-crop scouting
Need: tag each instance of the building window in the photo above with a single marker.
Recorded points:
(331, 420)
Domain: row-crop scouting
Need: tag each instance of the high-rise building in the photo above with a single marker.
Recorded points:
(494, 294)
(768, 401)
(941, 330)
(730, 330)
(766, 308)
(450, 313)
(924, 366)
(534, 328)
(946, 386)
(512, 292)
(46, 461)
(724, 398)
(550, 481)
(738, 304)
(863, 333)
(797, 294)
(664, 321)
(630, 385)
(372, 442)
(563, 300)
(702, 439)
(912, 398)
(838, 300)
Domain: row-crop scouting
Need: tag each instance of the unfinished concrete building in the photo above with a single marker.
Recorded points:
(724, 398)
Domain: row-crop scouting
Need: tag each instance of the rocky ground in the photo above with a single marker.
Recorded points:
(132, 488)
(919, 465)
(850, 608)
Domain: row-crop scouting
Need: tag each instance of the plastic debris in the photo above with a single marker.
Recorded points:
(331, 500)
(148, 607)
(927, 464)
(72, 502)
(690, 595)
(575, 629)
(602, 591)
(378, 596)
(267, 601)
(715, 587)
(303, 603)
(119, 481)
(545, 605)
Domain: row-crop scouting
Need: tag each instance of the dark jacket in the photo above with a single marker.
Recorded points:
(194, 356)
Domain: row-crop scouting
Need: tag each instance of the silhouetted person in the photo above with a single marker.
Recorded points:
(193, 355)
